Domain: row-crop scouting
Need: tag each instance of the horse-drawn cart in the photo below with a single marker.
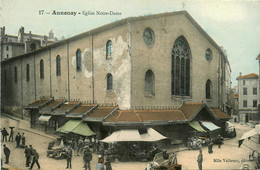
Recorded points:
(164, 161)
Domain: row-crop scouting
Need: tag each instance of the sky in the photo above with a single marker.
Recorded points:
(235, 25)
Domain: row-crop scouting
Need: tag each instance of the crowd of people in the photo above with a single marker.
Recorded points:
(82, 147)
(31, 155)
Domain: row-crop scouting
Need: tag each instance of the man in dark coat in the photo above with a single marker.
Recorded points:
(7, 153)
(210, 146)
(31, 150)
(23, 139)
(69, 156)
(4, 134)
(108, 164)
(200, 160)
(11, 134)
(35, 159)
(87, 158)
(18, 140)
(27, 152)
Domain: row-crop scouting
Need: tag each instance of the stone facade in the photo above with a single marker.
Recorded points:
(128, 64)
(12, 46)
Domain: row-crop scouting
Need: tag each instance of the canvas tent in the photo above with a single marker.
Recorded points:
(76, 126)
(152, 135)
(133, 135)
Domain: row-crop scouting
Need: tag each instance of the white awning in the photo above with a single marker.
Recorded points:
(152, 135)
(124, 135)
(209, 125)
(131, 135)
(44, 118)
(248, 134)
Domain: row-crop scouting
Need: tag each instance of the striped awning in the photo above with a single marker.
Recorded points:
(209, 125)
(76, 126)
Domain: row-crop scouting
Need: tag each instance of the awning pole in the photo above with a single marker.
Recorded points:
(248, 147)
(45, 126)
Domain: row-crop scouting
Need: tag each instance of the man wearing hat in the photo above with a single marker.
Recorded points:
(200, 160)
(7, 154)
(87, 158)
(4, 134)
(11, 134)
(27, 152)
(69, 156)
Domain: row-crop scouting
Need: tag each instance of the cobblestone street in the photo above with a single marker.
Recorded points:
(229, 156)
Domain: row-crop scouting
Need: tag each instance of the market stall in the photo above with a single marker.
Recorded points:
(130, 145)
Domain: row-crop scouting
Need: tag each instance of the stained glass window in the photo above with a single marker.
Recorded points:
(181, 67)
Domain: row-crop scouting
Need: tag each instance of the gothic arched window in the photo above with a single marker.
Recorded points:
(208, 89)
(15, 74)
(109, 81)
(27, 72)
(41, 69)
(108, 49)
(180, 73)
(58, 71)
(149, 83)
(78, 60)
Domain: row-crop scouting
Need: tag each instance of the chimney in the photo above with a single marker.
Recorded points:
(51, 34)
(30, 35)
(240, 73)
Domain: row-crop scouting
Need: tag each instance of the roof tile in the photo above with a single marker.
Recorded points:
(53, 104)
(83, 108)
(38, 103)
(189, 109)
(258, 57)
(102, 111)
(220, 114)
(146, 115)
(251, 75)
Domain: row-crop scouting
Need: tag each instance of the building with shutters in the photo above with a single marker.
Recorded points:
(248, 89)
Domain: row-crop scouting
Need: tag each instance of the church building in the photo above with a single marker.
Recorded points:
(161, 69)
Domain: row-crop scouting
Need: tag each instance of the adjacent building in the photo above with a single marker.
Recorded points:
(15, 45)
(248, 89)
(12, 45)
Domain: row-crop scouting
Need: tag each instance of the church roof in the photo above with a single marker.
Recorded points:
(126, 21)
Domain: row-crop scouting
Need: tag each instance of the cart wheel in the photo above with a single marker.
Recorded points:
(174, 160)
(246, 167)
